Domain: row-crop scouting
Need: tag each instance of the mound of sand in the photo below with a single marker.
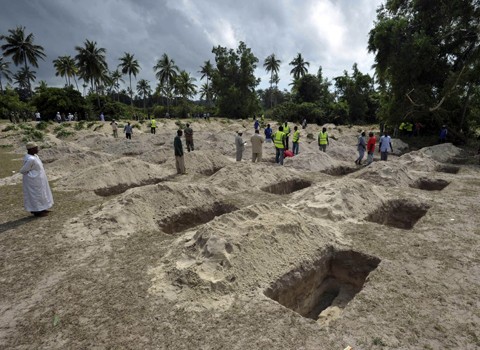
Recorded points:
(115, 177)
(442, 153)
(391, 173)
(202, 162)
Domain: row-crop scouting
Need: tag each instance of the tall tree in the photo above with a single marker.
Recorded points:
(24, 77)
(299, 67)
(22, 49)
(4, 72)
(166, 71)
(207, 70)
(272, 66)
(427, 58)
(65, 67)
(116, 78)
(91, 63)
(234, 81)
(129, 65)
(144, 90)
(185, 86)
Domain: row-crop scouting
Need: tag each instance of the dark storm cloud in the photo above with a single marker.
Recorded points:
(331, 34)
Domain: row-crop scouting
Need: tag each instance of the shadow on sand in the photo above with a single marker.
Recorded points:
(15, 223)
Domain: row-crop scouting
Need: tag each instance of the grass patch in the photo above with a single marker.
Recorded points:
(58, 128)
(180, 125)
(80, 125)
(98, 127)
(137, 126)
(64, 133)
(33, 135)
(90, 124)
(11, 127)
(42, 125)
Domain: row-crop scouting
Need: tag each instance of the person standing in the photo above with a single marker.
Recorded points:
(257, 146)
(37, 196)
(178, 148)
(153, 126)
(114, 128)
(286, 131)
(239, 146)
(37, 116)
(102, 117)
(295, 140)
(279, 143)
(371, 147)
(189, 137)
(443, 134)
(323, 140)
(383, 146)
(256, 125)
(361, 146)
(268, 133)
(58, 117)
(128, 130)
(304, 123)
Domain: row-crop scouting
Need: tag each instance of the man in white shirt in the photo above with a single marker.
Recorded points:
(384, 145)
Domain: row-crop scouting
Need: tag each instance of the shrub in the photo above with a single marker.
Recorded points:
(32, 135)
(42, 125)
(58, 128)
(64, 133)
(80, 125)
(180, 125)
(11, 127)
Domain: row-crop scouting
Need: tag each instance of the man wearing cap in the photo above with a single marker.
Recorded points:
(37, 195)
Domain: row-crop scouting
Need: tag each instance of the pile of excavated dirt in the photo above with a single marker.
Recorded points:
(240, 255)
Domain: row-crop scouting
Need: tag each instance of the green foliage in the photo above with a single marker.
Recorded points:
(64, 133)
(234, 82)
(10, 127)
(137, 126)
(64, 100)
(42, 125)
(80, 125)
(427, 61)
(10, 102)
(32, 135)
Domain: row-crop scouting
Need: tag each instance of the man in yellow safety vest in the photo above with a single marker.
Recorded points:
(323, 140)
(153, 125)
(295, 139)
(279, 142)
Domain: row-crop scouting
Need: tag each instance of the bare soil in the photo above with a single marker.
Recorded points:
(318, 254)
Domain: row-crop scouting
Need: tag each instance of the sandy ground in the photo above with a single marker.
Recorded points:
(318, 254)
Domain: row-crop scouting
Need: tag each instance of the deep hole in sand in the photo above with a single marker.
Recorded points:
(399, 213)
(286, 187)
(192, 217)
(449, 169)
(430, 184)
(330, 282)
(120, 188)
(341, 170)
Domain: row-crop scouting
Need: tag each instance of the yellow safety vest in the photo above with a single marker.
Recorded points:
(296, 136)
(402, 126)
(286, 130)
(278, 139)
(322, 138)
(409, 127)
(153, 123)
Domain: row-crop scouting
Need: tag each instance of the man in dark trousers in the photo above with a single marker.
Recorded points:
(179, 160)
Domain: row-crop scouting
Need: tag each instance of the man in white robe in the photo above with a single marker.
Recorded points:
(37, 195)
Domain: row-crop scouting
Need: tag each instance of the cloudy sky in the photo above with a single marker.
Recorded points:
(332, 34)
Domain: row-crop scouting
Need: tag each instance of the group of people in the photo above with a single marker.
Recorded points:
(384, 146)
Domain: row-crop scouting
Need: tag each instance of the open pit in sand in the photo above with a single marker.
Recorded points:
(330, 281)
(402, 214)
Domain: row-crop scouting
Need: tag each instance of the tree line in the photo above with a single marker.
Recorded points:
(426, 70)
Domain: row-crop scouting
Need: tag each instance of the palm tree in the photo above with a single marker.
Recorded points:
(144, 90)
(4, 72)
(166, 71)
(299, 67)
(22, 49)
(129, 65)
(42, 86)
(91, 63)
(116, 77)
(206, 92)
(272, 66)
(184, 85)
(23, 78)
(65, 67)
(206, 70)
